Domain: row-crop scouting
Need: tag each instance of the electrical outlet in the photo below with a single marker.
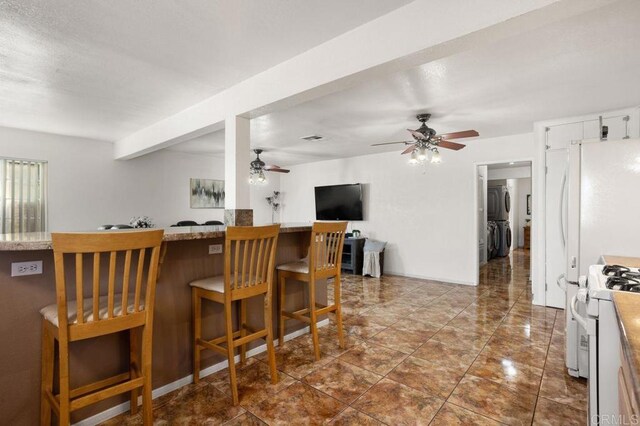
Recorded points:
(26, 268)
(215, 249)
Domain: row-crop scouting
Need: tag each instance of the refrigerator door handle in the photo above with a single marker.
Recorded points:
(563, 187)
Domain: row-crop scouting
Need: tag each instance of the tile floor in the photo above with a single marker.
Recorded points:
(418, 352)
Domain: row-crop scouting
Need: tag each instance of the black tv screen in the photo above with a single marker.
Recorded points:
(339, 202)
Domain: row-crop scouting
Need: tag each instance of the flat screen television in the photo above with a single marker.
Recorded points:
(339, 202)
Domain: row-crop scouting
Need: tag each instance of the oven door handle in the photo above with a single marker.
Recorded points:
(574, 311)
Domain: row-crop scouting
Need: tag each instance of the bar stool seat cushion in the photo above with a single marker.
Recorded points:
(300, 267)
(50, 312)
(210, 283)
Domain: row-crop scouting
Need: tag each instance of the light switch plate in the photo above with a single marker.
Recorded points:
(215, 249)
(19, 269)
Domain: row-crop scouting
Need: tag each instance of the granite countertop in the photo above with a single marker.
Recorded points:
(628, 313)
(629, 262)
(42, 240)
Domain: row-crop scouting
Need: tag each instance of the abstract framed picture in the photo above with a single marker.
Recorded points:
(206, 194)
(528, 204)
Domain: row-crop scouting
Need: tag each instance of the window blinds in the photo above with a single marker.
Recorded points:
(23, 196)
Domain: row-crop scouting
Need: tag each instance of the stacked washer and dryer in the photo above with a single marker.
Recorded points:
(498, 228)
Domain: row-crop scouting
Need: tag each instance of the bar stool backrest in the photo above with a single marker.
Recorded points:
(132, 260)
(327, 241)
(249, 260)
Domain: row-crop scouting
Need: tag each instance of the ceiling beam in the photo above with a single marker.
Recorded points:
(417, 33)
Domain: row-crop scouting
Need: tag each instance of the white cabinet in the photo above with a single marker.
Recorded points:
(560, 136)
(619, 126)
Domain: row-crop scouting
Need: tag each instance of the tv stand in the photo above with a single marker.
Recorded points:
(352, 255)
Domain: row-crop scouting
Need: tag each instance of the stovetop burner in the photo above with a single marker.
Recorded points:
(614, 270)
(623, 283)
(635, 275)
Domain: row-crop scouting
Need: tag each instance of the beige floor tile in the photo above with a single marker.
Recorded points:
(400, 340)
(552, 413)
(396, 404)
(509, 372)
(372, 357)
(426, 376)
(564, 389)
(461, 338)
(296, 360)
(527, 353)
(254, 382)
(450, 415)
(341, 380)
(494, 401)
(441, 353)
(351, 417)
(298, 404)
(246, 419)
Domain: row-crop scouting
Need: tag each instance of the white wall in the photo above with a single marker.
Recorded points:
(482, 214)
(427, 214)
(259, 193)
(509, 172)
(512, 186)
(87, 187)
(524, 188)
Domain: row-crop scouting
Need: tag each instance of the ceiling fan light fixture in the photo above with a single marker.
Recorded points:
(261, 177)
(414, 158)
(435, 158)
(422, 154)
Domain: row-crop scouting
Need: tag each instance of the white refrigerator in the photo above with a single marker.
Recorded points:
(602, 218)
(603, 214)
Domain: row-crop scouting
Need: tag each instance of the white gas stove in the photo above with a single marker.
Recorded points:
(603, 334)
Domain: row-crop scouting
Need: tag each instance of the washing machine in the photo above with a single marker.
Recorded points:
(498, 203)
(504, 236)
(493, 240)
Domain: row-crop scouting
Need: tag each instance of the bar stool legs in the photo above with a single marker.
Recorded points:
(271, 351)
(134, 366)
(314, 318)
(336, 296)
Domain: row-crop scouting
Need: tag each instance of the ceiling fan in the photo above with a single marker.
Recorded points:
(426, 142)
(257, 168)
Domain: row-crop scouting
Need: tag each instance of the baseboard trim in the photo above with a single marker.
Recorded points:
(423, 277)
(170, 387)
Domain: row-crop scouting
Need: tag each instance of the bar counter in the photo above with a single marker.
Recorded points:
(187, 258)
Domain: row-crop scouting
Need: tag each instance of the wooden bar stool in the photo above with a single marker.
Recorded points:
(325, 260)
(123, 305)
(252, 251)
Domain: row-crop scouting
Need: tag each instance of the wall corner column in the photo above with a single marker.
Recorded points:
(237, 146)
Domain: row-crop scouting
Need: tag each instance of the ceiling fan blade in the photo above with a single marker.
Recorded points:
(450, 145)
(408, 150)
(271, 168)
(391, 143)
(459, 135)
(416, 134)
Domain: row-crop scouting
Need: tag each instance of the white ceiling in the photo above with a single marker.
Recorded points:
(104, 69)
(585, 64)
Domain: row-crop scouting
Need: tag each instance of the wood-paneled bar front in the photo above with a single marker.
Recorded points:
(186, 259)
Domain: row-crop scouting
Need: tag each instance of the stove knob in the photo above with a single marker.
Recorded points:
(583, 295)
(582, 281)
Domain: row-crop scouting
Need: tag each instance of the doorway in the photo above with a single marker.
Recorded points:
(504, 204)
